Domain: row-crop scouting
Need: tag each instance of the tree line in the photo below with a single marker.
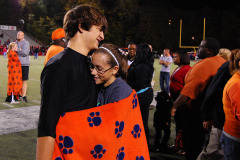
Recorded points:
(153, 21)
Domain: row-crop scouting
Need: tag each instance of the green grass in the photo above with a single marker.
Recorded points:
(22, 145)
(18, 146)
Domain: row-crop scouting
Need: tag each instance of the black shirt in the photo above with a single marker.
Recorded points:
(140, 76)
(212, 106)
(66, 85)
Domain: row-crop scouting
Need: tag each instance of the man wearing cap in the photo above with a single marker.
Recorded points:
(59, 43)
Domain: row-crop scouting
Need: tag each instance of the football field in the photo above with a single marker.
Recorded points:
(18, 122)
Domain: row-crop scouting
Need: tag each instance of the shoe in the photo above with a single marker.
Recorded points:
(20, 97)
(24, 99)
(181, 152)
(14, 102)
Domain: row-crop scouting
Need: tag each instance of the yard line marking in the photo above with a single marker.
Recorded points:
(19, 119)
(8, 105)
(36, 101)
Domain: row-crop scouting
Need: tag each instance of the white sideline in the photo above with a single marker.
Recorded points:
(18, 119)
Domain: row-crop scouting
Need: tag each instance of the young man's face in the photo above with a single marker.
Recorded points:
(94, 36)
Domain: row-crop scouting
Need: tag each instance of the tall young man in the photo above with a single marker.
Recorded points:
(66, 81)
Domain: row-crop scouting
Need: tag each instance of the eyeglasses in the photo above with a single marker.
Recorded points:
(92, 67)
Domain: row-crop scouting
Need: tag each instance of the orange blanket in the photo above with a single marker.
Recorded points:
(110, 132)
(14, 75)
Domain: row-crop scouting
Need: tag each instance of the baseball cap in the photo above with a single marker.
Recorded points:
(58, 33)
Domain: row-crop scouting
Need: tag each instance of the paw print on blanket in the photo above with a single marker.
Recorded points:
(58, 158)
(134, 101)
(66, 143)
(136, 132)
(63, 114)
(119, 128)
(98, 151)
(121, 154)
(94, 119)
(140, 158)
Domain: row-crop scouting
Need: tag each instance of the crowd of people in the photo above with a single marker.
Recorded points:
(203, 99)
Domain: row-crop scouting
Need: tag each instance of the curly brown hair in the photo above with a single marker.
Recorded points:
(85, 16)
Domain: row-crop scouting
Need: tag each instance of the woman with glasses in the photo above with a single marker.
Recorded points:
(109, 68)
(118, 117)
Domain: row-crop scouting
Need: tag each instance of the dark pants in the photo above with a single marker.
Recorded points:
(164, 81)
(145, 99)
(158, 129)
(193, 134)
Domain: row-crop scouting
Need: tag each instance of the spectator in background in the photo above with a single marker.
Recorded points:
(4, 51)
(230, 138)
(176, 84)
(59, 43)
(23, 54)
(14, 87)
(132, 47)
(193, 93)
(212, 109)
(139, 78)
(36, 51)
(225, 53)
(165, 62)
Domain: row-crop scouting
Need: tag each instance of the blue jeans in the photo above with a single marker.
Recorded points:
(35, 55)
(164, 77)
(231, 148)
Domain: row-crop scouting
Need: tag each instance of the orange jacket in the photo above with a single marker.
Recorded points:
(52, 51)
(231, 106)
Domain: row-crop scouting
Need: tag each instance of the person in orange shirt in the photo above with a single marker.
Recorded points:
(59, 43)
(193, 93)
(230, 138)
(14, 87)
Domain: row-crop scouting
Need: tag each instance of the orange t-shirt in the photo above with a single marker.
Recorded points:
(52, 51)
(199, 75)
(231, 106)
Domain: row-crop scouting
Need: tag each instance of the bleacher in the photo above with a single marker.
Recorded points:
(12, 35)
